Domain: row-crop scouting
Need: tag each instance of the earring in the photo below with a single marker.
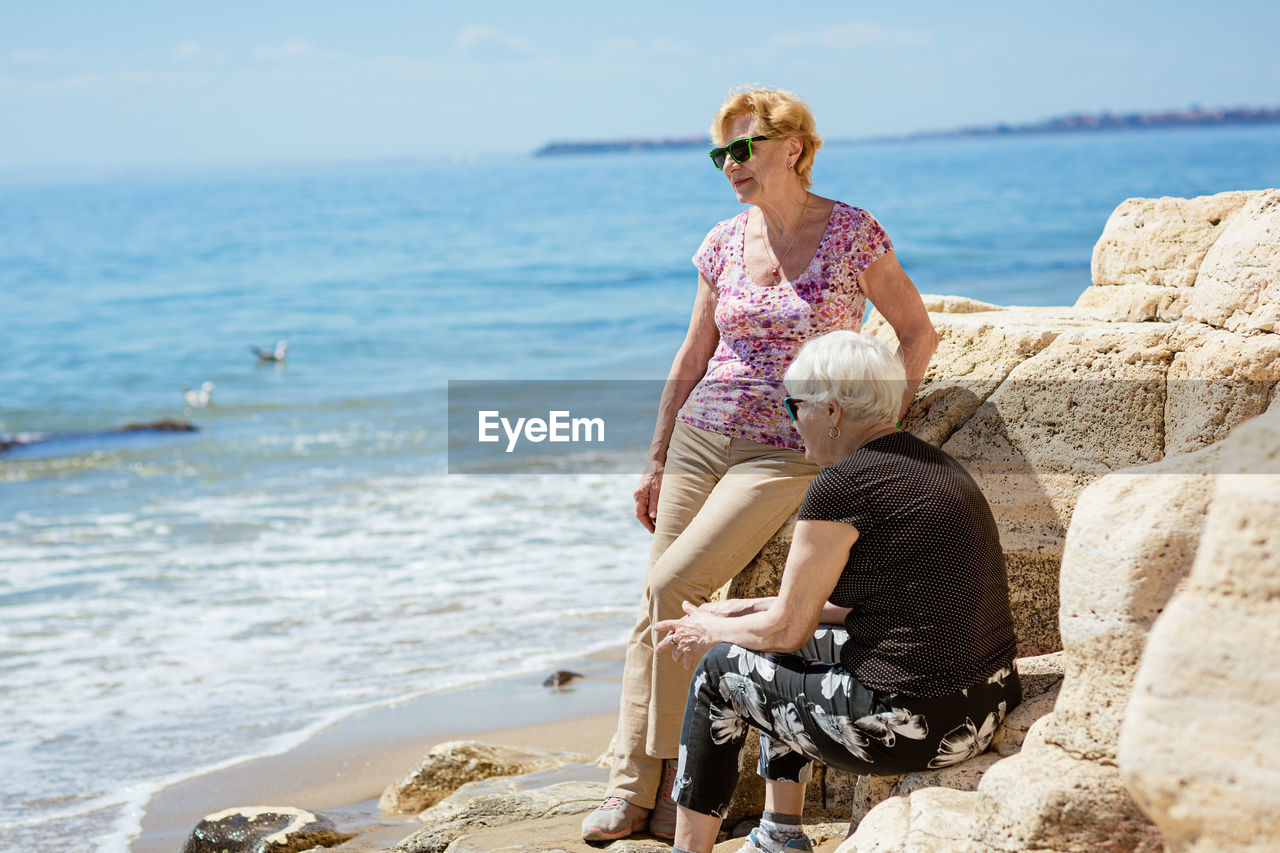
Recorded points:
(791, 167)
(834, 432)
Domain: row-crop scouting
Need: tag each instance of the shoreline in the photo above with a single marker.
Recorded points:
(345, 767)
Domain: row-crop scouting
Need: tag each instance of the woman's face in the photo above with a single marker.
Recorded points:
(812, 422)
(764, 172)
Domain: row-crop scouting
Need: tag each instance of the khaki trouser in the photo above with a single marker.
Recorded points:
(722, 499)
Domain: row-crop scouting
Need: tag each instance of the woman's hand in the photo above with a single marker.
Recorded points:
(688, 638)
(735, 606)
(646, 494)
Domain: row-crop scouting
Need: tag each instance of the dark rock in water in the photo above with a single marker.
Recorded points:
(263, 829)
(560, 678)
(166, 425)
(29, 439)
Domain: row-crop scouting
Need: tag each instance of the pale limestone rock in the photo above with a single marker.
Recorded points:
(524, 781)
(1115, 580)
(976, 351)
(1090, 403)
(1217, 380)
(1134, 303)
(964, 776)
(867, 792)
(446, 822)
(931, 820)
(450, 765)
(1202, 730)
(554, 836)
(936, 303)
(883, 829)
(1043, 799)
(1040, 674)
(1063, 791)
(1238, 287)
(1012, 734)
(263, 829)
(821, 833)
(1161, 241)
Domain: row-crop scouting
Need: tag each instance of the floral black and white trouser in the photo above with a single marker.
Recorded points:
(809, 708)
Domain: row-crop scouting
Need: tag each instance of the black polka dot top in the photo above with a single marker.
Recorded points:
(926, 577)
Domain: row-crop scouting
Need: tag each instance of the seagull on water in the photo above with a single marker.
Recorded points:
(271, 355)
(200, 399)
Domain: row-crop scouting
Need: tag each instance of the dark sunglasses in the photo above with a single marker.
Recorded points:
(738, 149)
(793, 405)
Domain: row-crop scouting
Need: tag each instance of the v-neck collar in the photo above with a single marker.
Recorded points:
(808, 270)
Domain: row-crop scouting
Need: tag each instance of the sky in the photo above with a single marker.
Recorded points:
(140, 82)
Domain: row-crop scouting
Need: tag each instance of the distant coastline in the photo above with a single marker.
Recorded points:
(1194, 116)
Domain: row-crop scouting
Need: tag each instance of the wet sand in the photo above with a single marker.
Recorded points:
(343, 769)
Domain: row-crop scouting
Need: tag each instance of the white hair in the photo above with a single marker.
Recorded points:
(864, 375)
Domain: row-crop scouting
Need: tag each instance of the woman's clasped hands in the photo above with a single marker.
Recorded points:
(688, 637)
(691, 636)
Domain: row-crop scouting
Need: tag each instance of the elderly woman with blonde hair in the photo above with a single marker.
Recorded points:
(725, 468)
(889, 647)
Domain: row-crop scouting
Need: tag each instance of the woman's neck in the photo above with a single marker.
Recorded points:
(853, 438)
(784, 214)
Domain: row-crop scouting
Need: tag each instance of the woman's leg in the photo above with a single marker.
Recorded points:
(694, 466)
(735, 689)
(703, 540)
(758, 493)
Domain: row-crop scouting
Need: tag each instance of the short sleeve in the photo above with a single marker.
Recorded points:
(832, 496)
(710, 257)
(868, 242)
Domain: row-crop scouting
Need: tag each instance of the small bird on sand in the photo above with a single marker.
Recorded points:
(271, 355)
(560, 678)
(200, 399)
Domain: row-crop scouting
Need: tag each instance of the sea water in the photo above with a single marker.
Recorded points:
(171, 603)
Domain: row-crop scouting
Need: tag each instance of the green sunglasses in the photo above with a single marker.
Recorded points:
(738, 149)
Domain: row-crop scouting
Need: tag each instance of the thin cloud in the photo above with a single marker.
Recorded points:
(852, 34)
(41, 56)
(191, 51)
(487, 43)
(613, 48)
(294, 50)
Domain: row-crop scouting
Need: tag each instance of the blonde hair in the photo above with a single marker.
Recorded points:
(863, 374)
(778, 115)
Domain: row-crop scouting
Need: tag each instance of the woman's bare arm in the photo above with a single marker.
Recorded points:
(889, 288)
(819, 551)
(688, 367)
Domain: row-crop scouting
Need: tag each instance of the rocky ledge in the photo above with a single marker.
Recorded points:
(1130, 448)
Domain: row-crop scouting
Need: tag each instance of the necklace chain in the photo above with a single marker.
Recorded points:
(777, 261)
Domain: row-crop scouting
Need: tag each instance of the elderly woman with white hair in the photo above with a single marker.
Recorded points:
(889, 647)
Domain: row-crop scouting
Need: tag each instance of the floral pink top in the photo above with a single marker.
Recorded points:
(762, 328)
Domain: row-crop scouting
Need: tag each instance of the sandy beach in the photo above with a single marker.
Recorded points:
(344, 769)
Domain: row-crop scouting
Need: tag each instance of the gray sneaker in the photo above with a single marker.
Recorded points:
(753, 845)
(614, 818)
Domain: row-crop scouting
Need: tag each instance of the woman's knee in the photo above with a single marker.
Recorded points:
(669, 584)
(713, 665)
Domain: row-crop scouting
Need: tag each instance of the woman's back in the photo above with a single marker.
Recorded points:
(925, 580)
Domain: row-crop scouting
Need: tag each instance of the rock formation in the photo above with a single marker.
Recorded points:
(263, 829)
(1200, 736)
(449, 766)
